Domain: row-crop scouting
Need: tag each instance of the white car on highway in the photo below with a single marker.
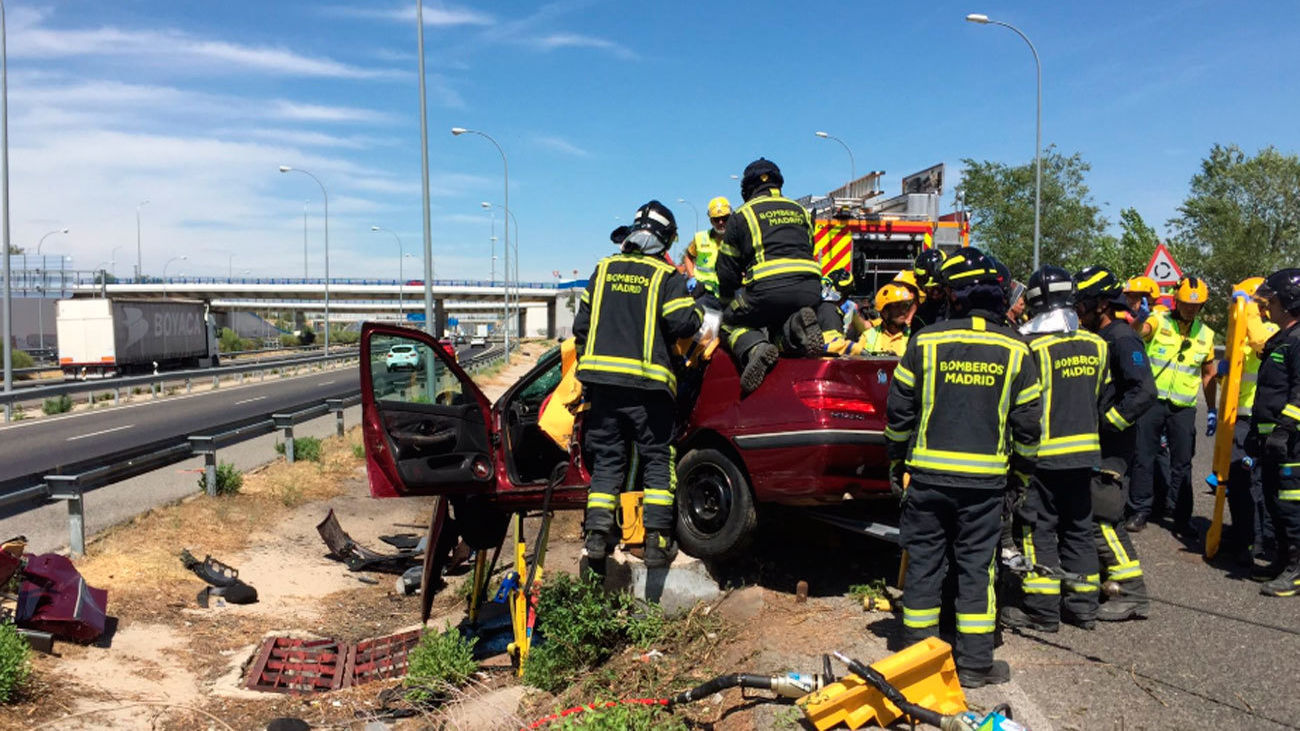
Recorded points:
(402, 356)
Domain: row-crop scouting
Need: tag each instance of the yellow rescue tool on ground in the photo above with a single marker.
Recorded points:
(1234, 352)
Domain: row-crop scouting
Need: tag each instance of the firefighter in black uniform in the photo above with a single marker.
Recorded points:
(1056, 516)
(1275, 430)
(973, 365)
(767, 270)
(634, 308)
(1131, 390)
(926, 271)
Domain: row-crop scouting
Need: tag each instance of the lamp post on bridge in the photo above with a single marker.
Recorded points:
(182, 257)
(401, 277)
(40, 306)
(458, 131)
(325, 199)
(510, 217)
(694, 210)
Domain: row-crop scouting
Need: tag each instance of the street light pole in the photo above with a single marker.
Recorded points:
(4, 194)
(853, 166)
(182, 257)
(40, 306)
(304, 239)
(457, 131)
(325, 198)
(401, 278)
(492, 241)
(693, 209)
(139, 265)
(515, 247)
(113, 261)
(429, 325)
(982, 19)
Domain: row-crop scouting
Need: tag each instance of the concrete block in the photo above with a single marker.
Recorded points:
(676, 588)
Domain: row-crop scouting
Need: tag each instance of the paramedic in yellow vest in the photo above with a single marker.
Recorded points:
(1181, 350)
(1143, 295)
(1251, 528)
(700, 261)
(895, 303)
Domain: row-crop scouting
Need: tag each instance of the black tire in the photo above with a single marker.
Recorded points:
(715, 508)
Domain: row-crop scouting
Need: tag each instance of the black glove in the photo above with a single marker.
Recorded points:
(1276, 444)
(709, 301)
(897, 468)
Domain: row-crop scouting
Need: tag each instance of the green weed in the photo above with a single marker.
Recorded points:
(15, 662)
(441, 660)
(57, 404)
(229, 479)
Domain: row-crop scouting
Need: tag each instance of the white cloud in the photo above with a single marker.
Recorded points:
(440, 16)
(305, 138)
(559, 144)
(299, 111)
(576, 40)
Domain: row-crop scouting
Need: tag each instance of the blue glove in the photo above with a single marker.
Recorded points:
(1221, 369)
(1143, 312)
(1211, 422)
(690, 284)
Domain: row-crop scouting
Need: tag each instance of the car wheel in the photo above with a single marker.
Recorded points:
(715, 509)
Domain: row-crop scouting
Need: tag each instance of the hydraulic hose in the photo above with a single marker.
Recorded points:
(878, 681)
(792, 685)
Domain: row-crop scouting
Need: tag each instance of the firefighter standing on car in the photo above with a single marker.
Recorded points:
(767, 270)
(1251, 529)
(894, 302)
(1125, 397)
(1275, 430)
(634, 308)
(1056, 515)
(1181, 350)
(701, 257)
(973, 366)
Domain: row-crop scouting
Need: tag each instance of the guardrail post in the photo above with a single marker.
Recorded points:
(336, 405)
(207, 446)
(116, 395)
(65, 487)
(188, 385)
(153, 391)
(216, 382)
(8, 409)
(285, 422)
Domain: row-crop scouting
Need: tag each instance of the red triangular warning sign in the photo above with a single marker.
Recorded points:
(1162, 267)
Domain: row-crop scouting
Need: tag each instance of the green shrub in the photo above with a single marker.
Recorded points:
(229, 479)
(288, 340)
(22, 359)
(359, 451)
(229, 341)
(304, 449)
(622, 717)
(442, 660)
(345, 337)
(18, 413)
(15, 662)
(57, 404)
(581, 625)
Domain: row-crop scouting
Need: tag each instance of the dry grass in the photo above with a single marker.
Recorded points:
(139, 558)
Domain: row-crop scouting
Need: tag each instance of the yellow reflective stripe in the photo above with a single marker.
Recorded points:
(1288, 495)
(586, 296)
(976, 624)
(658, 497)
(1124, 567)
(728, 250)
(1091, 280)
(779, 267)
(599, 286)
(628, 366)
(960, 462)
(1029, 394)
(1159, 364)
(672, 306)
(651, 322)
(1033, 583)
(1093, 584)
(1119, 422)
(1069, 445)
(894, 435)
(600, 500)
(1292, 411)
(972, 337)
(1016, 360)
(929, 355)
(1025, 450)
(920, 618)
(904, 376)
(735, 335)
(1120, 572)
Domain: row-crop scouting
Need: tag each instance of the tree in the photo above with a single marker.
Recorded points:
(1000, 199)
(1241, 217)
(1128, 255)
(15, 250)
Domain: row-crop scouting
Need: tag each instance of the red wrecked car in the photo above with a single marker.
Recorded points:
(812, 434)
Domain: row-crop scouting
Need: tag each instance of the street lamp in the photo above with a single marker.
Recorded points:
(4, 199)
(492, 241)
(853, 166)
(182, 257)
(429, 325)
(113, 260)
(982, 19)
(304, 239)
(40, 306)
(693, 208)
(325, 198)
(401, 278)
(514, 247)
(139, 267)
(458, 131)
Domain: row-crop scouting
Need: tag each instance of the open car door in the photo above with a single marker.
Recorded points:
(427, 428)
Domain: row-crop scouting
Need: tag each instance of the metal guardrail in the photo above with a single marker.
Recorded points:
(155, 381)
(236, 354)
(71, 488)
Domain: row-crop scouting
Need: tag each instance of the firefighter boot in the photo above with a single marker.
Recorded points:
(758, 361)
(1017, 618)
(1118, 610)
(660, 550)
(1287, 583)
(596, 549)
(807, 332)
(996, 674)
(1273, 568)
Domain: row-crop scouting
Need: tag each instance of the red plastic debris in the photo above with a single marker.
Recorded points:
(292, 665)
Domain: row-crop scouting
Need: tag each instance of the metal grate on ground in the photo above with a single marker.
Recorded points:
(293, 665)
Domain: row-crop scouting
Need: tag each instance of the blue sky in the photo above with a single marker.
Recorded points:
(599, 106)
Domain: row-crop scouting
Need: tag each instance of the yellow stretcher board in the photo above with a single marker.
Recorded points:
(1235, 353)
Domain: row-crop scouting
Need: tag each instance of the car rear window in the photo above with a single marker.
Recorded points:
(402, 349)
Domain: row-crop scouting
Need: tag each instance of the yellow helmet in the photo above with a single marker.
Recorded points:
(1192, 290)
(719, 207)
(1144, 284)
(907, 278)
(1249, 285)
(892, 293)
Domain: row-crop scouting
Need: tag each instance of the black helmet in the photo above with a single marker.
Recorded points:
(653, 229)
(967, 267)
(1285, 285)
(760, 174)
(926, 267)
(1004, 274)
(1098, 284)
(1049, 288)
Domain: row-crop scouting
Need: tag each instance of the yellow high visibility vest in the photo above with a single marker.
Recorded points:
(1176, 360)
(706, 260)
